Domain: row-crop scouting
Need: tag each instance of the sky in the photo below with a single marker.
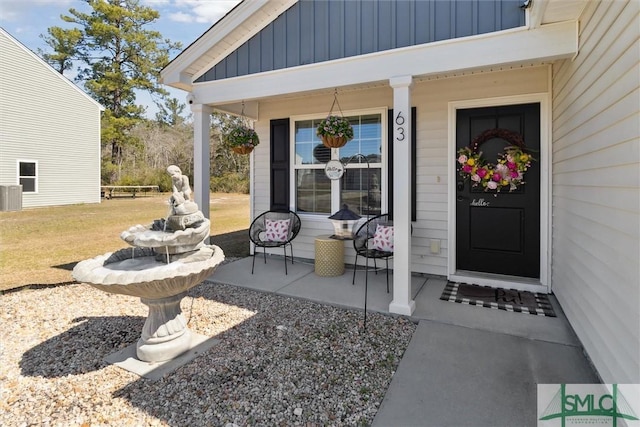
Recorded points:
(180, 21)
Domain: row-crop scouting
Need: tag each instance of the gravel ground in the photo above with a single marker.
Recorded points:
(281, 361)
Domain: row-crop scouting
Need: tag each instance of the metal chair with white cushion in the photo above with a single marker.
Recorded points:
(274, 229)
(374, 239)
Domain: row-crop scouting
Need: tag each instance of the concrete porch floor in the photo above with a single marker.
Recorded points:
(464, 366)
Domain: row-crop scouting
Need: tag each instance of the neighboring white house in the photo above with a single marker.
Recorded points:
(421, 79)
(49, 131)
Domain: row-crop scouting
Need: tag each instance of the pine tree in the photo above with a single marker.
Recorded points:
(118, 56)
(170, 112)
(64, 44)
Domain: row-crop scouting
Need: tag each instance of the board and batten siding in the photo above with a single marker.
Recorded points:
(45, 118)
(320, 30)
(431, 99)
(596, 189)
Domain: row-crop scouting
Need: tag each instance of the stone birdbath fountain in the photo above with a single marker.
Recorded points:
(167, 258)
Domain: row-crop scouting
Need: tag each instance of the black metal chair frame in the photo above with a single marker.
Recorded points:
(361, 240)
(258, 228)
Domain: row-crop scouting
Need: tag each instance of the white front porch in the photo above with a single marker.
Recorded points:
(429, 248)
(302, 282)
(434, 79)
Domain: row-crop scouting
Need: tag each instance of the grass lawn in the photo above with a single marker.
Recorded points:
(41, 245)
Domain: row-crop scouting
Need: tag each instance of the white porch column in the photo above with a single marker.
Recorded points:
(402, 302)
(201, 154)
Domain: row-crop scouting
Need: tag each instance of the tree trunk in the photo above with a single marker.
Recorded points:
(116, 153)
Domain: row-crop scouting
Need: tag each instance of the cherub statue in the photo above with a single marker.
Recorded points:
(180, 200)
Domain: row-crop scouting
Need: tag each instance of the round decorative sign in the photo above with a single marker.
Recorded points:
(334, 169)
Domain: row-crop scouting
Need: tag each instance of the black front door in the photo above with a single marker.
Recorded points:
(499, 232)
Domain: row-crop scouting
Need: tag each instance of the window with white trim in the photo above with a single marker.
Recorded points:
(360, 188)
(28, 175)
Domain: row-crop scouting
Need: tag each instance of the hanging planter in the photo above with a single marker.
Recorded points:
(241, 138)
(242, 150)
(334, 141)
(335, 131)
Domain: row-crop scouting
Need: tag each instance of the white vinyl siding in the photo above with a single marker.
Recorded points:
(596, 189)
(431, 98)
(45, 118)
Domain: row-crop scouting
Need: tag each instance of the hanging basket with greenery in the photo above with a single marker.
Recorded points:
(335, 131)
(242, 139)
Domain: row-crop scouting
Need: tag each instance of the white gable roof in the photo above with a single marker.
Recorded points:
(225, 36)
(251, 16)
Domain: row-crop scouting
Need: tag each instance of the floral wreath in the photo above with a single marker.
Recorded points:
(507, 173)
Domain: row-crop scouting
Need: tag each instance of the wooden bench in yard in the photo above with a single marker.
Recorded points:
(111, 191)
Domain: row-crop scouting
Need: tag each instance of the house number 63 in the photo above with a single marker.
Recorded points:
(400, 132)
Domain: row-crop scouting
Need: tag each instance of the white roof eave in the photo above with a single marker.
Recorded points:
(544, 12)
(250, 16)
(516, 46)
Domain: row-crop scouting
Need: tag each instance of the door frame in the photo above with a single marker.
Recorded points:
(544, 160)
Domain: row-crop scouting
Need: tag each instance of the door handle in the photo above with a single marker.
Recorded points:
(460, 188)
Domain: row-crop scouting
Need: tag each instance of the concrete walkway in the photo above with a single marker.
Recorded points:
(465, 365)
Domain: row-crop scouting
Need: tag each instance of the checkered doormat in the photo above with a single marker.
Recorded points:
(498, 298)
